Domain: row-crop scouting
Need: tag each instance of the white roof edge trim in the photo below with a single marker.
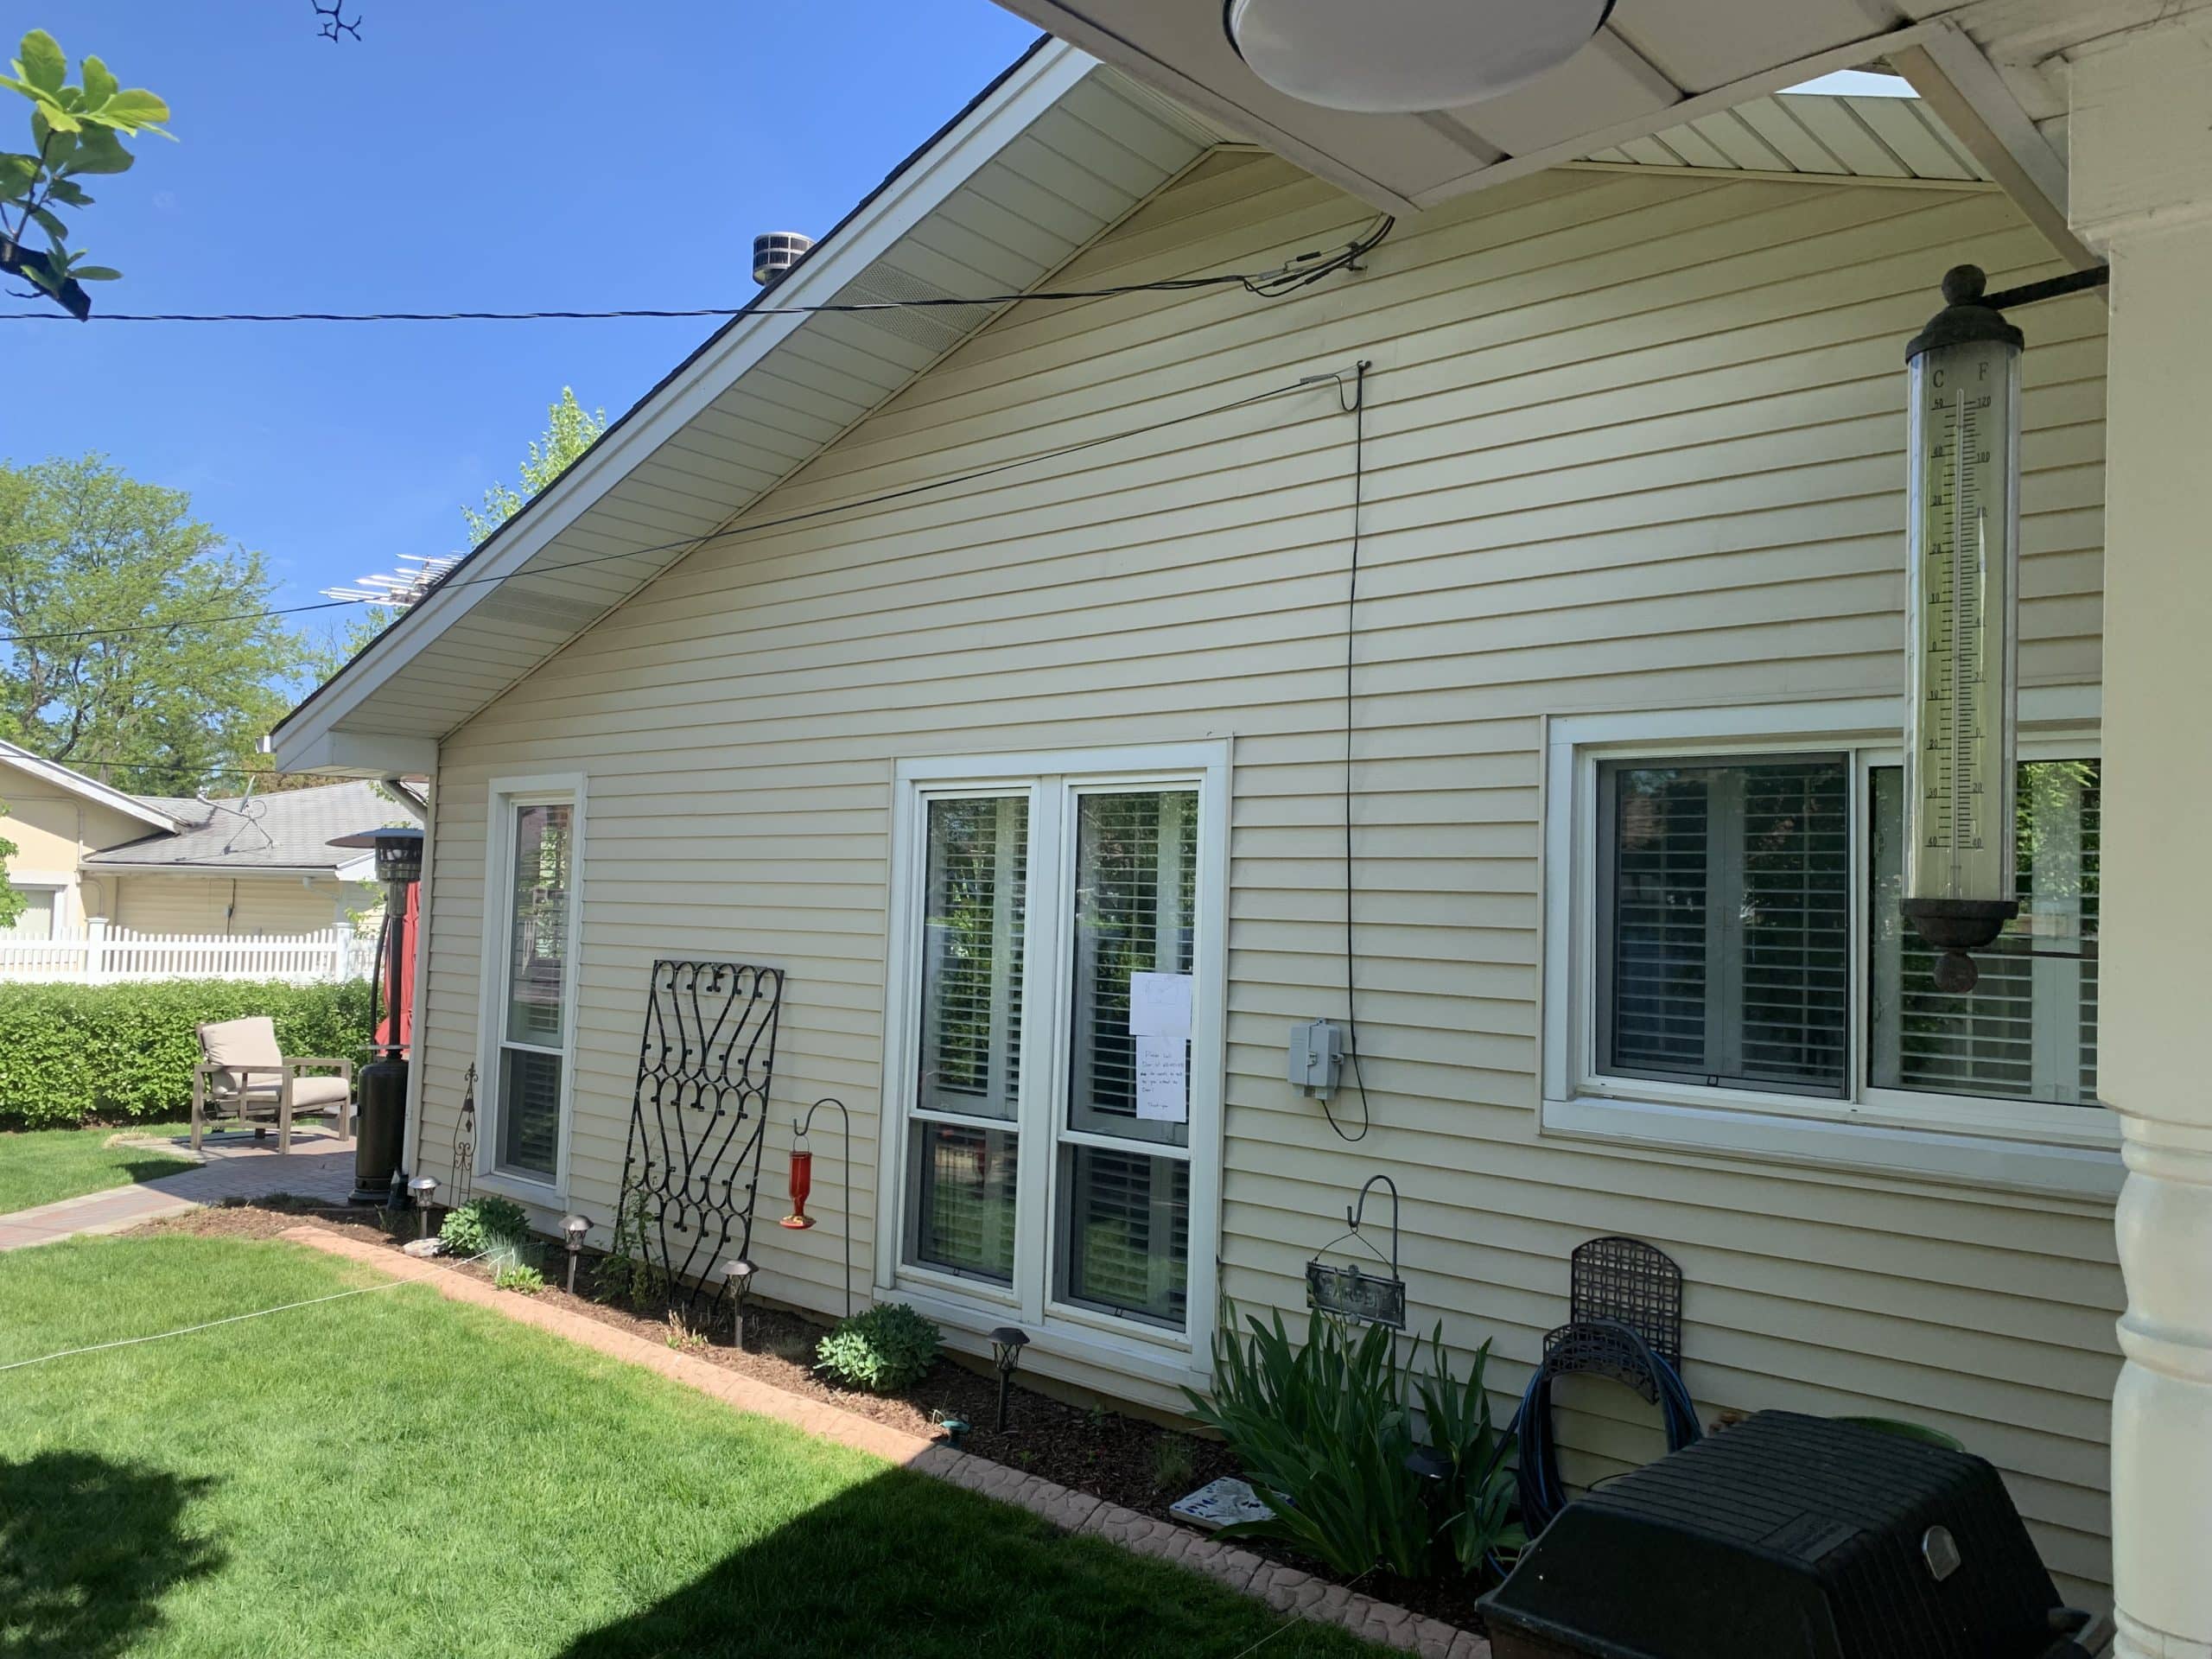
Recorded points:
(1027, 94)
(76, 783)
(93, 865)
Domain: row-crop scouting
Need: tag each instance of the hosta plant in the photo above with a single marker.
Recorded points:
(887, 1348)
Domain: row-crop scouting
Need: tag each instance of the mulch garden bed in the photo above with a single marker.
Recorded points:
(1140, 1465)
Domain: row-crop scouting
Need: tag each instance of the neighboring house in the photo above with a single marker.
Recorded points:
(960, 757)
(207, 867)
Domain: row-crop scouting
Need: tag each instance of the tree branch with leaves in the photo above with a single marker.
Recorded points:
(76, 131)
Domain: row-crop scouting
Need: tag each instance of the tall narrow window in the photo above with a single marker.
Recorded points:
(1725, 911)
(2028, 1030)
(976, 880)
(533, 1031)
(1124, 1178)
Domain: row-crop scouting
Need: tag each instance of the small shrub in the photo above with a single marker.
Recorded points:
(682, 1338)
(126, 1052)
(625, 1273)
(489, 1226)
(523, 1280)
(1174, 1469)
(888, 1348)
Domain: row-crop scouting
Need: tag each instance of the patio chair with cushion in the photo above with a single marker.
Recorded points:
(244, 1076)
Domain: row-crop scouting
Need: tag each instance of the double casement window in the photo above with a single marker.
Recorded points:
(1723, 939)
(533, 846)
(1054, 1063)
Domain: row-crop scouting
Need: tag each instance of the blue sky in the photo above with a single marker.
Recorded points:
(479, 154)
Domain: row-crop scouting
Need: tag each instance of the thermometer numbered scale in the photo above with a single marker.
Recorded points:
(1963, 435)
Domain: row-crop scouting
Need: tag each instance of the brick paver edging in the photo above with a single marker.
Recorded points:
(1283, 1588)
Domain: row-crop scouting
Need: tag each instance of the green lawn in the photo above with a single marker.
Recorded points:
(395, 1474)
(39, 1166)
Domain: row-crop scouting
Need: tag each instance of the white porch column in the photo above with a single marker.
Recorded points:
(2141, 141)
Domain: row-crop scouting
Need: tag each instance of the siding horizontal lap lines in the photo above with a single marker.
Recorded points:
(1634, 443)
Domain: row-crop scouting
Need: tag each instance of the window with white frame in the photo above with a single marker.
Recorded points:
(530, 975)
(1055, 1060)
(1732, 939)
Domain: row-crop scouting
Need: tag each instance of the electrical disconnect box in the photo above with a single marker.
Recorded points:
(1317, 1055)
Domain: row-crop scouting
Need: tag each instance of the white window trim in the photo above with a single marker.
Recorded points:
(2006, 1146)
(503, 796)
(1084, 1336)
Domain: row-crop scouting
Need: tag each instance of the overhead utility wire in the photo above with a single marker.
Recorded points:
(693, 544)
(1301, 271)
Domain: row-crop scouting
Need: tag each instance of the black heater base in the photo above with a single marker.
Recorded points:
(380, 1123)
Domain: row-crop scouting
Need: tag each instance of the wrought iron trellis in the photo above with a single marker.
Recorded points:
(697, 1117)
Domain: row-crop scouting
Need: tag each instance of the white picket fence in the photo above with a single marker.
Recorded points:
(101, 954)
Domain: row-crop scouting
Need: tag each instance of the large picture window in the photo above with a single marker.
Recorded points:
(1724, 936)
(531, 979)
(1059, 1051)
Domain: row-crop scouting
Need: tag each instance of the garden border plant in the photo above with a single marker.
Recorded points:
(71, 1053)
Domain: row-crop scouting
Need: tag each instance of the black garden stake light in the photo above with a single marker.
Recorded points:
(419, 1191)
(1007, 1343)
(573, 1229)
(737, 1273)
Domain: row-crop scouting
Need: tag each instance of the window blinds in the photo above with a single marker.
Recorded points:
(978, 877)
(1725, 922)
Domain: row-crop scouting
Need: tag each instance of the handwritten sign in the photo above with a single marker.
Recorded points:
(1160, 1006)
(1163, 1079)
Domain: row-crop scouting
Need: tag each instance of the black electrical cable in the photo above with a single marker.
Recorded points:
(1299, 272)
(1542, 1492)
(694, 544)
(1357, 410)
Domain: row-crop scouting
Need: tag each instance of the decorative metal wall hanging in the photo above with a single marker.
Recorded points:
(463, 1185)
(696, 1115)
(1616, 1281)
(1351, 1291)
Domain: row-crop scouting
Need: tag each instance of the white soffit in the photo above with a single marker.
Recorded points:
(1817, 133)
(1056, 152)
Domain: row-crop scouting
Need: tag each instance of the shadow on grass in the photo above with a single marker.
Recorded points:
(87, 1550)
(153, 1166)
(903, 1565)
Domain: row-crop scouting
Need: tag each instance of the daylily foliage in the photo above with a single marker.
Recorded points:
(76, 131)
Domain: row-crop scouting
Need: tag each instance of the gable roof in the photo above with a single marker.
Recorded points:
(1054, 152)
(76, 783)
(288, 832)
(1051, 155)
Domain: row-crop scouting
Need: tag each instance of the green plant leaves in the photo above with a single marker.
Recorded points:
(135, 109)
(98, 150)
(96, 273)
(886, 1348)
(100, 85)
(43, 63)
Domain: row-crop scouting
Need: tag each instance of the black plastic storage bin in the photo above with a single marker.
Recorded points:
(1786, 1537)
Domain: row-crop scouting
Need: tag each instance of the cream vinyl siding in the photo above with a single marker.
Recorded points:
(1633, 442)
(219, 904)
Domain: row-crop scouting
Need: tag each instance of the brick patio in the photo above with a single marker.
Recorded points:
(234, 1166)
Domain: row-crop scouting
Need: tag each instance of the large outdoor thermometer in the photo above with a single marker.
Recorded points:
(1963, 433)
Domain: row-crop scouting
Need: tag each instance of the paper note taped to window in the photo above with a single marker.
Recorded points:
(1159, 1005)
(1164, 1078)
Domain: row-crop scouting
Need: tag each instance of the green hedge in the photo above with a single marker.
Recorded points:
(69, 1053)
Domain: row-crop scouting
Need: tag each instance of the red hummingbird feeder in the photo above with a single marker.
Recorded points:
(801, 1183)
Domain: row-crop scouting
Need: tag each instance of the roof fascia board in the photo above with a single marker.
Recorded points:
(1964, 90)
(358, 754)
(228, 872)
(1201, 99)
(1025, 96)
(76, 783)
(1779, 78)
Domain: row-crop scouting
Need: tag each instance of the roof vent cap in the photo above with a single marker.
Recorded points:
(777, 252)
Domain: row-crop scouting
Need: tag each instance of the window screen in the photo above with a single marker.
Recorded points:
(1724, 941)
(2028, 1030)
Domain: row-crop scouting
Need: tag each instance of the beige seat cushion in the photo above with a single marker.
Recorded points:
(252, 1041)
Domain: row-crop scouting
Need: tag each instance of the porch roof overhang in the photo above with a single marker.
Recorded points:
(1984, 67)
(1055, 151)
